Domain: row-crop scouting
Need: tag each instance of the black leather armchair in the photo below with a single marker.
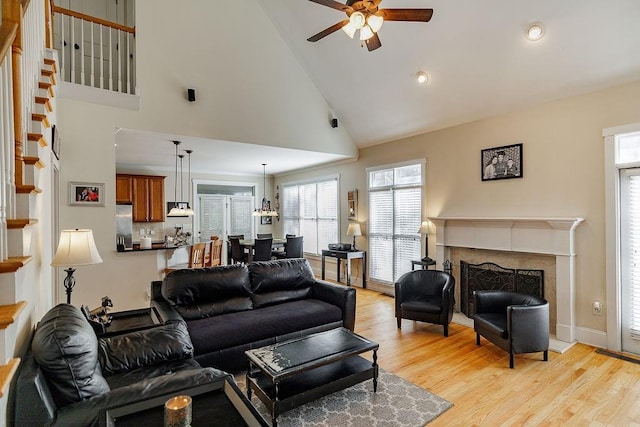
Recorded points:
(426, 296)
(515, 322)
(70, 377)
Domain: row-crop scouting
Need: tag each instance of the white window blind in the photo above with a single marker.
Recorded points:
(395, 213)
(634, 254)
(311, 210)
(240, 213)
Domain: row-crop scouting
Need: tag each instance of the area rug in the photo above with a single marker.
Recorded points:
(396, 403)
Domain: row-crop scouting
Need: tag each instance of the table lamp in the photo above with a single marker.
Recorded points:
(354, 230)
(76, 247)
(424, 229)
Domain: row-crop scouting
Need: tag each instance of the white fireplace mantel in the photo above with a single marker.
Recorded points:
(548, 236)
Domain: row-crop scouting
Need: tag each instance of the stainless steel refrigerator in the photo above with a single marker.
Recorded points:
(124, 226)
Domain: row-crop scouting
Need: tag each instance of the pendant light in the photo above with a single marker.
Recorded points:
(189, 211)
(265, 209)
(175, 211)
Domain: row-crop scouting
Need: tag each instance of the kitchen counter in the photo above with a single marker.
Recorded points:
(154, 247)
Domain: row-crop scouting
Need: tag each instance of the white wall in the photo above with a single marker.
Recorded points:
(563, 174)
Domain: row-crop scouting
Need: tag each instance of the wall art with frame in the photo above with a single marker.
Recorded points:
(86, 194)
(501, 162)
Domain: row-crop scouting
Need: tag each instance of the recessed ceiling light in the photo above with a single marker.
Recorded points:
(422, 77)
(535, 32)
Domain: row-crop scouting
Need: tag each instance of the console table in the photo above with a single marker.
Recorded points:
(348, 256)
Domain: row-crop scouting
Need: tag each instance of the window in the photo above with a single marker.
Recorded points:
(311, 210)
(395, 214)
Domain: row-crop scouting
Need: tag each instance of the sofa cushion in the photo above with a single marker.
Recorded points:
(197, 293)
(274, 282)
(66, 348)
(148, 347)
(233, 329)
(493, 323)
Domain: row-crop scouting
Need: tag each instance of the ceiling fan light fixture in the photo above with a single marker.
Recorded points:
(375, 22)
(535, 32)
(349, 29)
(366, 33)
(357, 20)
(422, 77)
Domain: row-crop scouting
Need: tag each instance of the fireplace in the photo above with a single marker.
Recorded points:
(491, 276)
(549, 237)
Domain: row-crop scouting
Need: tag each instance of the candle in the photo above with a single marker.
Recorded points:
(177, 412)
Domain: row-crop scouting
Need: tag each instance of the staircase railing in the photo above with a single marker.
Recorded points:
(95, 52)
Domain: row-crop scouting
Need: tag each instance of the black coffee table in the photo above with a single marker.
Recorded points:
(291, 373)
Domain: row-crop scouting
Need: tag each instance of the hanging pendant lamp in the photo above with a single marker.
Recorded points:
(175, 210)
(189, 210)
(265, 209)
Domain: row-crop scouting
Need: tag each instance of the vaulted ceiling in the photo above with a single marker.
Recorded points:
(475, 52)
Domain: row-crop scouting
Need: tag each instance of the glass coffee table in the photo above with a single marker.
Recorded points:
(291, 373)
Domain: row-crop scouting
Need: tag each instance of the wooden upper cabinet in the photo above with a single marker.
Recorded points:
(147, 197)
(156, 199)
(124, 189)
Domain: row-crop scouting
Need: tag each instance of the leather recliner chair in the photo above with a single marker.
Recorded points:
(515, 322)
(69, 377)
(426, 296)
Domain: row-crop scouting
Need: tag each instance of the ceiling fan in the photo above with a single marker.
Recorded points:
(364, 15)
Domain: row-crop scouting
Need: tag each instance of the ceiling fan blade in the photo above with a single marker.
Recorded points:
(328, 31)
(333, 4)
(373, 43)
(420, 15)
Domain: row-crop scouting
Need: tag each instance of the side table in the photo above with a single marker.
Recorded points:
(347, 256)
(424, 264)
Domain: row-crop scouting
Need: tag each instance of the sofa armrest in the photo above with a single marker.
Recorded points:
(145, 348)
(528, 327)
(165, 310)
(341, 296)
(91, 411)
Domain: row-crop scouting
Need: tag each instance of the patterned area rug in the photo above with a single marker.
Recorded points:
(396, 403)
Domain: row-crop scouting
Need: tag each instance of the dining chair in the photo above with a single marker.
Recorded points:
(229, 237)
(214, 253)
(293, 247)
(237, 251)
(262, 250)
(264, 236)
(196, 255)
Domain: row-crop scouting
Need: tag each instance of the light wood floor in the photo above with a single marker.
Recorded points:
(579, 387)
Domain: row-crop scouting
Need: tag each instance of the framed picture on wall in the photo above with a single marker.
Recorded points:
(86, 194)
(352, 204)
(501, 162)
(266, 220)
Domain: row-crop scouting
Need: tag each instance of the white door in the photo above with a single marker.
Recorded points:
(630, 258)
(213, 217)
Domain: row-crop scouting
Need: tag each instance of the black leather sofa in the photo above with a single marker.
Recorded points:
(233, 308)
(69, 377)
(515, 322)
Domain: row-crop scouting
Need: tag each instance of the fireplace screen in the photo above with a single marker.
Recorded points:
(490, 276)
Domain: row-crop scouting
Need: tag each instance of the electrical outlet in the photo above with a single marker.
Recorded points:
(597, 308)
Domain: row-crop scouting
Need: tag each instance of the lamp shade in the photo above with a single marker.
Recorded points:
(76, 247)
(354, 229)
(424, 227)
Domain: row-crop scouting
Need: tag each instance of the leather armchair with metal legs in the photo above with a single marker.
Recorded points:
(515, 322)
(425, 296)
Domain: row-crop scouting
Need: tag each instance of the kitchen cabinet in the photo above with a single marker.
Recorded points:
(124, 189)
(147, 196)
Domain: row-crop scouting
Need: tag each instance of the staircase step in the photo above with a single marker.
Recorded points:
(33, 161)
(6, 374)
(27, 189)
(44, 101)
(42, 118)
(37, 137)
(48, 87)
(49, 74)
(52, 63)
(20, 223)
(13, 264)
(9, 313)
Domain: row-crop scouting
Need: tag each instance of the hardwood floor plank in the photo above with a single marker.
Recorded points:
(579, 387)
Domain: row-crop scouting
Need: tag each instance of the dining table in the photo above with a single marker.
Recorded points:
(249, 244)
